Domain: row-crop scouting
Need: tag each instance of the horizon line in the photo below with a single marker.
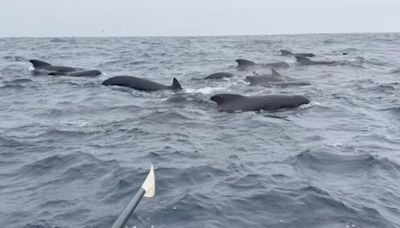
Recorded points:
(177, 36)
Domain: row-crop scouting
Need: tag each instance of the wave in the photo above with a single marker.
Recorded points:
(394, 110)
(15, 58)
(18, 84)
(395, 71)
(343, 164)
(16, 87)
(50, 164)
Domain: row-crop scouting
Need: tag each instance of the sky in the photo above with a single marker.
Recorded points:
(60, 18)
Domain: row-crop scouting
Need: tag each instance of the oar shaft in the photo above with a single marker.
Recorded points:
(124, 216)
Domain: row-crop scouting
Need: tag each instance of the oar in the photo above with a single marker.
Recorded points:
(147, 190)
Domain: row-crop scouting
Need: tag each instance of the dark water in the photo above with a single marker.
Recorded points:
(73, 152)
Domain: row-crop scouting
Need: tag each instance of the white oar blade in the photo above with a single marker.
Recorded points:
(149, 184)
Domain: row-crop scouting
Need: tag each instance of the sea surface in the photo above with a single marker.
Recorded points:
(74, 152)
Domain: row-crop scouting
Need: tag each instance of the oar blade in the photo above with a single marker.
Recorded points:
(149, 184)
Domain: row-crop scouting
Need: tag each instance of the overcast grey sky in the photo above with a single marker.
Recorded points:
(189, 17)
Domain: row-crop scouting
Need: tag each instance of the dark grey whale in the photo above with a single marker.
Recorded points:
(244, 64)
(140, 83)
(306, 61)
(235, 102)
(287, 84)
(265, 78)
(219, 75)
(273, 79)
(48, 68)
(86, 73)
(41, 67)
(289, 53)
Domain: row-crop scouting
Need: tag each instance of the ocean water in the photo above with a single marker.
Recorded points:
(73, 152)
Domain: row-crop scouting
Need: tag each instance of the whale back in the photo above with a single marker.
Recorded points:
(289, 53)
(305, 54)
(258, 79)
(302, 59)
(140, 83)
(219, 75)
(134, 83)
(275, 65)
(224, 98)
(306, 61)
(235, 102)
(87, 73)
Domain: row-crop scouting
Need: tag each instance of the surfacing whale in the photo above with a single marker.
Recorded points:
(45, 68)
(244, 64)
(140, 83)
(273, 79)
(86, 73)
(219, 75)
(289, 53)
(41, 67)
(306, 61)
(257, 79)
(235, 102)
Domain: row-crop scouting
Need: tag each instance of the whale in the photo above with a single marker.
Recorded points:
(219, 75)
(289, 53)
(306, 61)
(41, 67)
(286, 84)
(244, 64)
(44, 67)
(140, 83)
(86, 73)
(257, 79)
(273, 79)
(236, 102)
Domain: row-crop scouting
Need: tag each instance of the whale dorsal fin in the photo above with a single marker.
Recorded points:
(176, 85)
(274, 72)
(37, 63)
(222, 98)
(245, 62)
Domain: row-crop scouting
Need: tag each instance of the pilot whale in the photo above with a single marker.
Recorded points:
(41, 67)
(219, 75)
(265, 78)
(289, 53)
(44, 67)
(273, 79)
(244, 64)
(140, 83)
(86, 73)
(306, 61)
(235, 102)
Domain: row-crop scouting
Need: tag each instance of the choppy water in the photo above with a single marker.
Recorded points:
(73, 152)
